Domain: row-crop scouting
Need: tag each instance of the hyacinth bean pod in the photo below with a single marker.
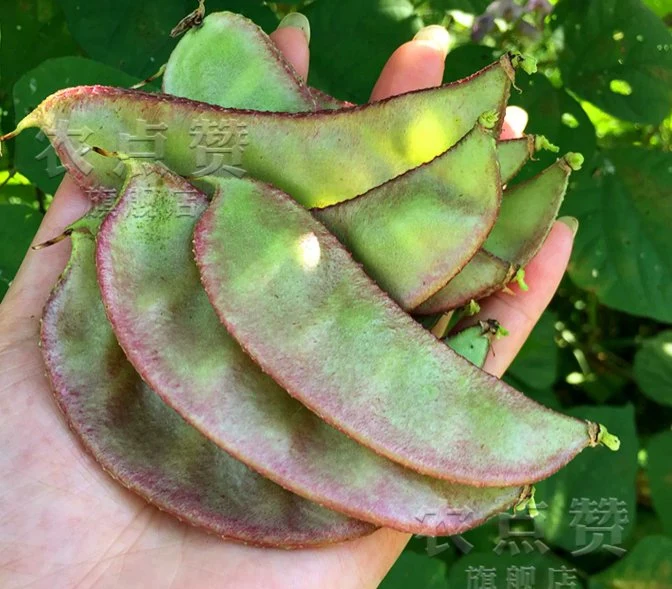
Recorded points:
(229, 61)
(525, 219)
(319, 158)
(356, 359)
(171, 334)
(145, 445)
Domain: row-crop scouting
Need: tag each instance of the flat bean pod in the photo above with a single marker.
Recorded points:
(356, 359)
(146, 446)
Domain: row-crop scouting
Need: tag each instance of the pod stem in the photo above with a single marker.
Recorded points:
(107, 153)
(53, 240)
(151, 78)
(527, 501)
(30, 120)
(193, 19)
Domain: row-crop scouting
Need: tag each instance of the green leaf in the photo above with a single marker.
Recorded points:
(31, 31)
(660, 477)
(653, 368)
(648, 566)
(475, 7)
(536, 364)
(541, 571)
(135, 36)
(596, 484)
(618, 55)
(18, 224)
(16, 190)
(467, 59)
(416, 570)
(660, 7)
(35, 158)
(374, 28)
(622, 250)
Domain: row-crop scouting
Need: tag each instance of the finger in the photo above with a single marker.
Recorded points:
(40, 268)
(415, 65)
(515, 122)
(520, 311)
(292, 37)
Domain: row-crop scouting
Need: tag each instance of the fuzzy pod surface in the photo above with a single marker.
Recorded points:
(146, 446)
(172, 335)
(356, 359)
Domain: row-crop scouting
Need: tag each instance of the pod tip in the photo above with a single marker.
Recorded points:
(472, 308)
(607, 439)
(526, 62)
(489, 119)
(599, 435)
(574, 160)
(520, 279)
(541, 142)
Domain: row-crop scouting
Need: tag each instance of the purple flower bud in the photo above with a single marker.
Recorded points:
(542, 6)
(482, 26)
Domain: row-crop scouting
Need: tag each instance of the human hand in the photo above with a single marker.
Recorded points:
(64, 523)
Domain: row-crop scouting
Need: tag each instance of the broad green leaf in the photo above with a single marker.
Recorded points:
(541, 570)
(660, 7)
(475, 7)
(30, 31)
(18, 224)
(648, 566)
(536, 364)
(135, 36)
(622, 250)
(15, 189)
(467, 59)
(35, 157)
(352, 39)
(416, 570)
(618, 55)
(660, 477)
(653, 368)
(597, 486)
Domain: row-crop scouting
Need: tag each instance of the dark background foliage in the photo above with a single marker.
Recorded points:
(603, 350)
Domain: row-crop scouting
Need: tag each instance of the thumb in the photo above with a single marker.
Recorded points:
(23, 303)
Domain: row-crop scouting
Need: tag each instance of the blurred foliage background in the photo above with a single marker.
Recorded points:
(604, 348)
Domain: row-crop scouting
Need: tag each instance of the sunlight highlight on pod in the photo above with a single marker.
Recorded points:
(426, 138)
(667, 349)
(308, 248)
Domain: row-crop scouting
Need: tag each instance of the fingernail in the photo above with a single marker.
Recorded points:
(571, 222)
(517, 119)
(436, 36)
(298, 21)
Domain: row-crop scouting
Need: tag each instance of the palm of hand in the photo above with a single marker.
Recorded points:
(65, 523)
